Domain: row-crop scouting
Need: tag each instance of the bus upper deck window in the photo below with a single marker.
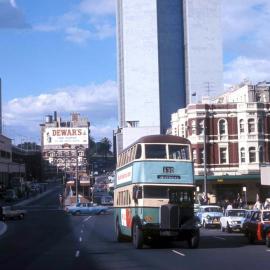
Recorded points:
(155, 151)
(138, 152)
(178, 152)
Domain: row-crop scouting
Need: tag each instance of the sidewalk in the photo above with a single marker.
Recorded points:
(38, 196)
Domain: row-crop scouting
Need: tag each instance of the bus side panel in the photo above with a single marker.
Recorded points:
(151, 215)
(124, 216)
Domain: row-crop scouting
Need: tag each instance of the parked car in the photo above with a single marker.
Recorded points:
(9, 213)
(245, 221)
(209, 215)
(258, 228)
(232, 220)
(10, 195)
(107, 200)
(86, 208)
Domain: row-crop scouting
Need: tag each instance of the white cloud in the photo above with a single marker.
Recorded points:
(246, 40)
(97, 102)
(246, 68)
(98, 8)
(11, 17)
(90, 20)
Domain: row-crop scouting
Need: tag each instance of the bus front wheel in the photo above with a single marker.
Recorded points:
(119, 235)
(137, 236)
(194, 240)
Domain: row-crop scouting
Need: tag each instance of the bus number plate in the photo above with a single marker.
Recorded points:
(168, 169)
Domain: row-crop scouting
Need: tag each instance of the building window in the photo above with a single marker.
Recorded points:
(222, 127)
(183, 130)
(260, 125)
(193, 127)
(201, 128)
(223, 155)
(251, 125)
(242, 155)
(194, 155)
(242, 126)
(261, 154)
(202, 156)
(252, 154)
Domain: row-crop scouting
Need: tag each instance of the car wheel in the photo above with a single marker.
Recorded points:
(119, 235)
(194, 240)
(21, 216)
(228, 228)
(137, 236)
(77, 212)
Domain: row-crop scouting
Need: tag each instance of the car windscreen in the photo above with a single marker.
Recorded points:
(236, 213)
(266, 216)
(212, 209)
(174, 194)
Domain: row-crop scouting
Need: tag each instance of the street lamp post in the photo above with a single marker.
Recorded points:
(245, 193)
(80, 147)
(204, 161)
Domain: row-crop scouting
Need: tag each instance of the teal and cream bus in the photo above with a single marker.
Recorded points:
(154, 191)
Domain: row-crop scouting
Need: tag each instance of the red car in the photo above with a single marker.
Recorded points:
(258, 227)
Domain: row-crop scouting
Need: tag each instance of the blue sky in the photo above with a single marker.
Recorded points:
(61, 55)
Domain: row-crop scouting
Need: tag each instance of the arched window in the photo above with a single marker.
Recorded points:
(241, 126)
(260, 125)
(261, 154)
(222, 127)
(252, 154)
(242, 155)
(251, 125)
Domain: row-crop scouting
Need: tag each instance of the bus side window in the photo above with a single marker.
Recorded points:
(136, 193)
(138, 152)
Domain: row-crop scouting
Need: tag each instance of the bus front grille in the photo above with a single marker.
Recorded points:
(169, 217)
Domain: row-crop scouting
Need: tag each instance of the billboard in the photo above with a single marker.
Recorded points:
(59, 136)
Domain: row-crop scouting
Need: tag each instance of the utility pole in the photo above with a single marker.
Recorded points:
(204, 161)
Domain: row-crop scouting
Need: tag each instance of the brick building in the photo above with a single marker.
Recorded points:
(234, 132)
(64, 146)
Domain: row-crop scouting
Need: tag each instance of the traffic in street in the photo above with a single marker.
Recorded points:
(49, 238)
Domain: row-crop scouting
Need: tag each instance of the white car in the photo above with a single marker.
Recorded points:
(209, 215)
(232, 220)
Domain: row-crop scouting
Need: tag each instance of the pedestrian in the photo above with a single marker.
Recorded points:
(267, 204)
(229, 206)
(61, 201)
(257, 206)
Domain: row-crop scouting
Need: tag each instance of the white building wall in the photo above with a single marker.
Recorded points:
(140, 62)
(204, 59)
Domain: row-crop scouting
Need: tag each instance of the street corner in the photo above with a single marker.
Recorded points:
(3, 228)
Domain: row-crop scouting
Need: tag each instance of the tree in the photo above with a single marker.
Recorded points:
(105, 146)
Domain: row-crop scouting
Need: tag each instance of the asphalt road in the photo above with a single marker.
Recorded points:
(50, 239)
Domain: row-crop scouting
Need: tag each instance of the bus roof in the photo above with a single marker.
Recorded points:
(160, 139)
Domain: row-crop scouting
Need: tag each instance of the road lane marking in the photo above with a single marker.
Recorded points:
(77, 254)
(179, 253)
(268, 250)
(220, 238)
(87, 218)
(80, 239)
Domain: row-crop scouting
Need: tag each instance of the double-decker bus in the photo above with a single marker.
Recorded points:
(154, 191)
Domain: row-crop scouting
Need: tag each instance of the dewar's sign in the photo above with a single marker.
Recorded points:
(56, 136)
